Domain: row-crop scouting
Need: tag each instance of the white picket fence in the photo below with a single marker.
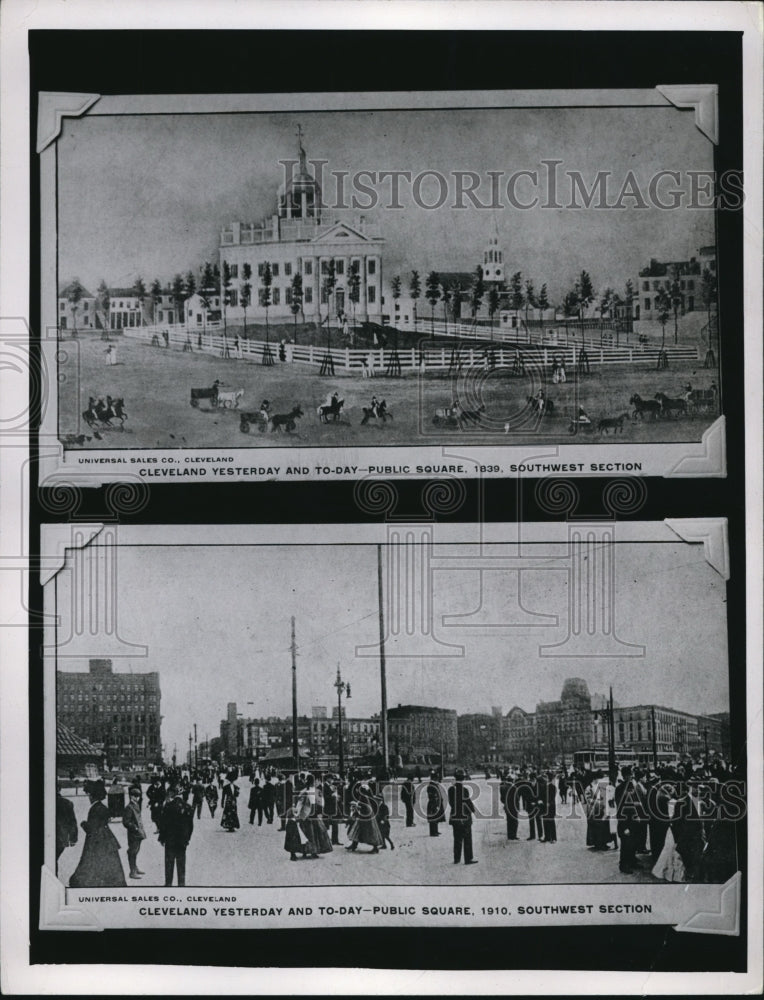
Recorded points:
(376, 360)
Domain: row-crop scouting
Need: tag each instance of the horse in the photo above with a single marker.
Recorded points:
(286, 421)
(615, 423)
(229, 398)
(381, 412)
(103, 413)
(643, 406)
(332, 410)
(541, 406)
(668, 405)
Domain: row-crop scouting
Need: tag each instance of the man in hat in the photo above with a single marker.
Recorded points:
(176, 824)
(131, 820)
(462, 809)
(629, 812)
(407, 798)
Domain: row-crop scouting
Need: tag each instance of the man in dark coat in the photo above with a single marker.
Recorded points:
(407, 798)
(629, 811)
(176, 824)
(197, 797)
(256, 803)
(529, 791)
(436, 812)
(508, 796)
(269, 800)
(67, 831)
(687, 830)
(332, 809)
(462, 809)
(548, 807)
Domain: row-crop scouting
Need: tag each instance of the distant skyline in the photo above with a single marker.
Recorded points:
(216, 622)
(148, 195)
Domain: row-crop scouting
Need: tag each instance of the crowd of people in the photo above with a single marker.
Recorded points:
(676, 822)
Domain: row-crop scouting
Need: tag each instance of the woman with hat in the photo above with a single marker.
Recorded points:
(363, 827)
(100, 864)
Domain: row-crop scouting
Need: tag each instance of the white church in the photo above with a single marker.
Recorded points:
(297, 239)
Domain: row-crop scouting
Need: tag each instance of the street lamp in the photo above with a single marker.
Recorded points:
(342, 688)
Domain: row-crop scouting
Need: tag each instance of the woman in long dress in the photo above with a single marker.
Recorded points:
(230, 818)
(363, 827)
(669, 865)
(100, 864)
(310, 822)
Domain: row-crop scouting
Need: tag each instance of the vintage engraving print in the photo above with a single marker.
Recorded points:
(390, 725)
(329, 286)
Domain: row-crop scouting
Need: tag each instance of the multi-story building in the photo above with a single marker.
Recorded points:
(662, 274)
(119, 713)
(519, 734)
(76, 311)
(126, 309)
(565, 725)
(481, 736)
(416, 730)
(298, 240)
(676, 732)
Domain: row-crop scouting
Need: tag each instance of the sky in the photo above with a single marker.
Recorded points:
(148, 195)
(216, 621)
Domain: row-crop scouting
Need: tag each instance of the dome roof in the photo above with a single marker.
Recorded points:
(575, 688)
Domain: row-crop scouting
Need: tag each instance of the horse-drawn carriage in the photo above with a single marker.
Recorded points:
(218, 396)
(455, 418)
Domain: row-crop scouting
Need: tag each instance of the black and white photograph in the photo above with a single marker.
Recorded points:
(385, 276)
(296, 714)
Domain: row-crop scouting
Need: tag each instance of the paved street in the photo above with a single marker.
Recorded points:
(255, 856)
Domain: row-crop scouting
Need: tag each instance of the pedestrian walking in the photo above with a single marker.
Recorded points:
(383, 819)
(211, 795)
(67, 831)
(111, 355)
(176, 824)
(269, 799)
(131, 820)
(436, 811)
(462, 809)
(508, 796)
(309, 820)
(548, 797)
(230, 818)
(99, 864)
(255, 803)
(197, 797)
(407, 798)
(363, 827)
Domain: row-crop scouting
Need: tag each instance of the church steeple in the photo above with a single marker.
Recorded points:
(300, 197)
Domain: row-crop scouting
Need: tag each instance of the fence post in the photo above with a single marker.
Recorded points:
(347, 359)
(310, 353)
(546, 356)
(443, 357)
(602, 356)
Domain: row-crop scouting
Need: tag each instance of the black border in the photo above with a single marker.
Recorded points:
(110, 62)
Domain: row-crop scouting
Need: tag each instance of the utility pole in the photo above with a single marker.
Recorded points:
(655, 739)
(196, 749)
(382, 666)
(341, 686)
(190, 756)
(295, 747)
(612, 766)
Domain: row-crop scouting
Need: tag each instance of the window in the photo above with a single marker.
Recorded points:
(234, 270)
(307, 266)
(62, 306)
(85, 305)
(645, 286)
(275, 269)
(324, 267)
(233, 298)
(371, 294)
(288, 268)
(656, 285)
(308, 295)
(371, 267)
(260, 270)
(339, 267)
(261, 297)
(324, 297)
(277, 296)
(647, 303)
(288, 296)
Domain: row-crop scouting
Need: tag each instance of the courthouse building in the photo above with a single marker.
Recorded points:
(119, 713)
(299, 239)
